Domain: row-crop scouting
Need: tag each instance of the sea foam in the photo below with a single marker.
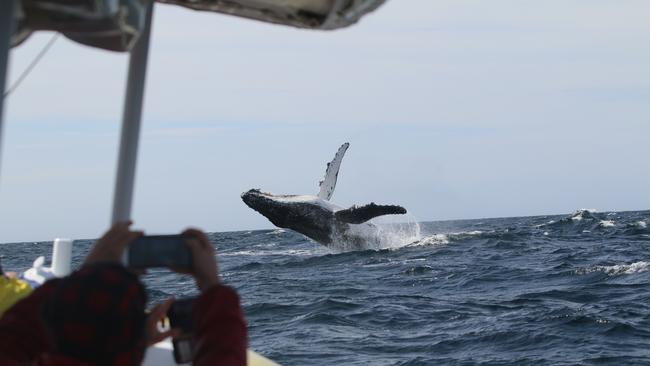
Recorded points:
(620, 269)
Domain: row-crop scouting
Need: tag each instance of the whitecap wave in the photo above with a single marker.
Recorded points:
(473, 233)
(620, 269)
(443, 239)
(549, 223)
(240, 253)
(466, 234)
(583, 213)
(606, 223)
(255, 253)
(432, 240)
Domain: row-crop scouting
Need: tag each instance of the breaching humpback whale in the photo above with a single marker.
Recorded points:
(319, 219)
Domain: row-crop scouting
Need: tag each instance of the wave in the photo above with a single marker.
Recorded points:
(586, 221)
(418, 270)
(469, 234)
(606, 223)
(619, 269)
(636, 228)
(443, 239)
(639, 225)
(255, 253)
(584, 214)
(432, 240)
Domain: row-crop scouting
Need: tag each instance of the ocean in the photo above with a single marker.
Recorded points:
(545, 290)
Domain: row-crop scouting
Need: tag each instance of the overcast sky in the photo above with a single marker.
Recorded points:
(454, 109)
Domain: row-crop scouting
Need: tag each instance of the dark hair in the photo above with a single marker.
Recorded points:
(1, 271)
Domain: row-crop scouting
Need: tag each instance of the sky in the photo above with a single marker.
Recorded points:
(453, 109)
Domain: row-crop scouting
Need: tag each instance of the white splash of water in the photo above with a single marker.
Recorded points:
(393, 235)
(405, 235)
(641, 224)
(381, 233)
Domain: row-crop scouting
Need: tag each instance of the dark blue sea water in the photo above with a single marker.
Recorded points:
(548, 290)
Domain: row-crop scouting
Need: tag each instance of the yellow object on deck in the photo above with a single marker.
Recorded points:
(255, 359)
(12, 290)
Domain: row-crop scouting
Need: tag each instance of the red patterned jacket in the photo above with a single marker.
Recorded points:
(219, 323)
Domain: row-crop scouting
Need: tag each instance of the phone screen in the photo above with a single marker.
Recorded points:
(159, 251)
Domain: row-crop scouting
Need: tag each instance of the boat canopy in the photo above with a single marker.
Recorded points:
(116, 24)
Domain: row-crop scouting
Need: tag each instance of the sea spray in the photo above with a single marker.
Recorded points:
(394, 234)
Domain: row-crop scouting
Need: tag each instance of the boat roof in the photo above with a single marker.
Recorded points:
(117, 24)
(314, 14)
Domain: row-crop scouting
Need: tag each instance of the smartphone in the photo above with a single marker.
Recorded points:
(158, 251)
(180, 316)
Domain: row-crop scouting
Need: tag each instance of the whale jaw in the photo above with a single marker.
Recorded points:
(265, 205)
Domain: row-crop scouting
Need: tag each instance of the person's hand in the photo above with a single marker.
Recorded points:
(204, 263)
(110, 247)
(156, 321)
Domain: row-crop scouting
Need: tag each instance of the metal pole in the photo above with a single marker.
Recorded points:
(123, 196)
(6, 28)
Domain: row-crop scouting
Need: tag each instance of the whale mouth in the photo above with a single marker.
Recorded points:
(264, 203)
(252, 197)
(255, 197)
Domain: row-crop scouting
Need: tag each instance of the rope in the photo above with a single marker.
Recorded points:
(31, 65)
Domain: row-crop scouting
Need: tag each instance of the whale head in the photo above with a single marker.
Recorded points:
(308, 215)
(266, 204)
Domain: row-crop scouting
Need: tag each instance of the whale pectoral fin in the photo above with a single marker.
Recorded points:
(328, 183)
(358, 215)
